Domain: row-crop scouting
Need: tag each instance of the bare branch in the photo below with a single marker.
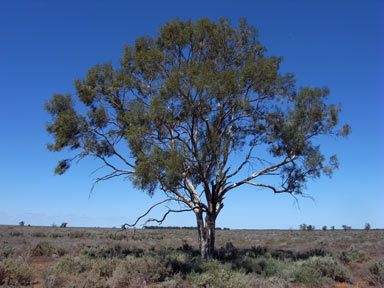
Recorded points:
(267, 186)
(160, 221)
(257, 174)
(242, 164)
(146, 213)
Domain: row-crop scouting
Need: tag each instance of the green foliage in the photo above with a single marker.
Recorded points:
(216, 274)
(185, 100)
(318, 270)
(353, 256)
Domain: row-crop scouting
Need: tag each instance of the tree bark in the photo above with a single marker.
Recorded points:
(206, 233)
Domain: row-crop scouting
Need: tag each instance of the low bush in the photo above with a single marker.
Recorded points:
(79, 234)
(54, 281)
(45, 248)
(216, 274)
(38, 234)
(264, 266)
(137, 272)
(375, 273)
(353, 256)
(110, 251)
(74, 264)
(16, 234)
(15, 272)
(6, 251)
(319, 270)
(56, 235)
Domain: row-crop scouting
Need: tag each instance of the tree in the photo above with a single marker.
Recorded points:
(311, 228)
(303, 227)
(367, 226)
(346, 227)
(174, 113)
(324, 228)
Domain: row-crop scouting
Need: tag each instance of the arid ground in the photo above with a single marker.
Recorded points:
(101, 257)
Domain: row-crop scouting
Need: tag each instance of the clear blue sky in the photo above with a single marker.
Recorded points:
(45, 45)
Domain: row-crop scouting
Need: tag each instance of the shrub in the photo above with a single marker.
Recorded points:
(104, 268)
(314, 269)
(74, 264)
(181, 262)
(258, 251)
(16, 234)
(353, 256)
(375, 273)
(6, 251)
(79, 234)
(21, 223)
(56, 235)
(136, 272)
(215, 274)
(122, 278)
(53, 281)
(310, 253)
(110, 251)
(38, 234)
(43, 248)
(14, 272)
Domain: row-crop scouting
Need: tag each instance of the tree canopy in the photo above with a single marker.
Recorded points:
(179, 105)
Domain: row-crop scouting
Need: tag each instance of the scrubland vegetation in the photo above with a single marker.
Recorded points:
(94, 257)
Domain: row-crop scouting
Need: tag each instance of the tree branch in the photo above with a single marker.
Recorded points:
(124, 226)
(160, 221)
(257, 174)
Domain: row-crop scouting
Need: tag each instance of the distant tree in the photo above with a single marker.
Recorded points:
(367, 226)
(310, 227)
(53, 225)
(21, 223)
(179, 107)
(346, 227)
(303, 227)
(324, 228)
(63, 225)
(332, 228)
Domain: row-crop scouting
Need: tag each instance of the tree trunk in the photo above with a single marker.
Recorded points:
(206, 233)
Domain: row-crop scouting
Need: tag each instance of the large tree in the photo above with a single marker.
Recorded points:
(179, 106)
